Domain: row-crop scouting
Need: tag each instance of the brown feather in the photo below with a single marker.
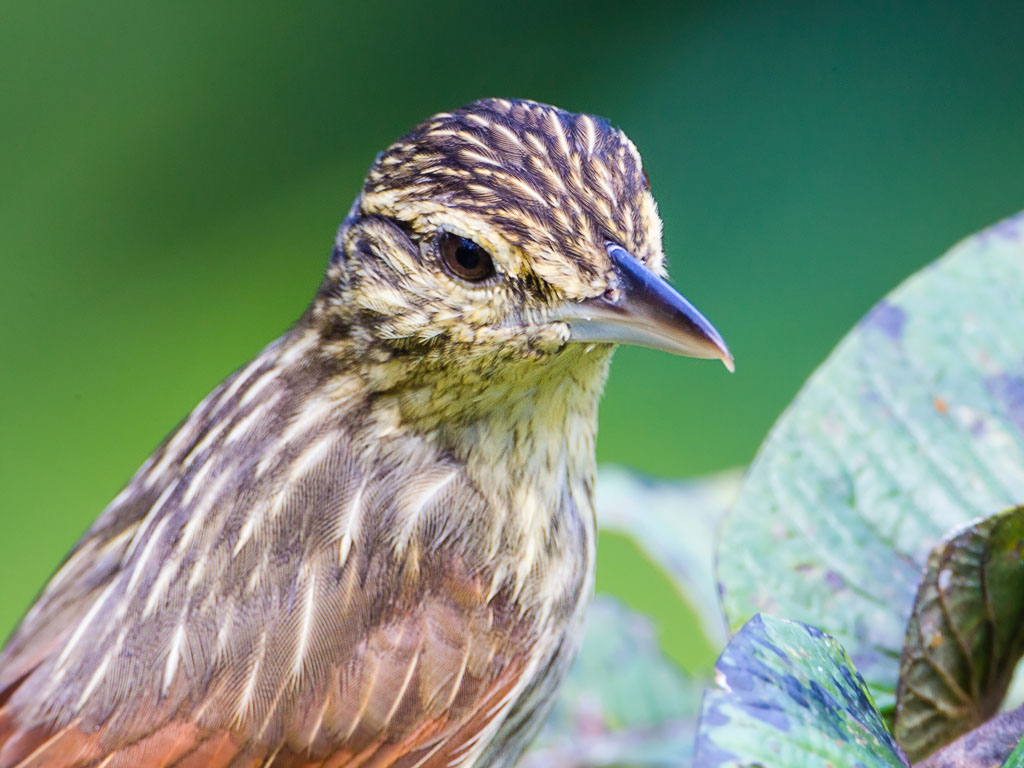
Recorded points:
(373, 544)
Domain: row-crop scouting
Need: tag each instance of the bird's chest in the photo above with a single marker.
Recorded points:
(547, 565)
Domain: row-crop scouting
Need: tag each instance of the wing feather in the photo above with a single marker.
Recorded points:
(251, 603)
(407, 724)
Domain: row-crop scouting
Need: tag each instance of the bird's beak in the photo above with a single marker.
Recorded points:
(645, 310)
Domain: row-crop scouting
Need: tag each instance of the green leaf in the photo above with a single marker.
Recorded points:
(965, 635)
(788, 695)
(623, 703)
(912, 427)
(674, 525)
(1016, 758)
(627, 573)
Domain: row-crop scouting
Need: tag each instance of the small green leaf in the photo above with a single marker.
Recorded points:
(675, 523)
(788, 695)
(627, 573)
(913, 427)
(965, 634)
(623, 704)
(1016, 758)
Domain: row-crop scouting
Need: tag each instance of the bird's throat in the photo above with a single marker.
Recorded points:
(511, 423)
(526, 436)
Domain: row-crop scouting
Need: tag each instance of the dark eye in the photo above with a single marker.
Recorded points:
(464, 258)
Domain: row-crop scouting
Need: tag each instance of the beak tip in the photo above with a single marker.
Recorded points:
(721, 351)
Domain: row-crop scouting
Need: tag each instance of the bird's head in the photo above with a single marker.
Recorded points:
(507, 231)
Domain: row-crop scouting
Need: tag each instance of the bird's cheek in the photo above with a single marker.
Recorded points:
(413, 324)
(511, 342)
(553, 335)
(479, 316)
(537, 341)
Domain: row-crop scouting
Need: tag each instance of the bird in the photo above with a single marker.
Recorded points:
(374, 543)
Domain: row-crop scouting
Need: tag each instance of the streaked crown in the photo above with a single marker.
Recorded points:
(556, 186)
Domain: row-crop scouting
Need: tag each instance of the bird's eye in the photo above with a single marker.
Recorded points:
(464, 258)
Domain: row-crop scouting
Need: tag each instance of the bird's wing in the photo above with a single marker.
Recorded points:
(423, 692)
(413, 674)
(277, 585)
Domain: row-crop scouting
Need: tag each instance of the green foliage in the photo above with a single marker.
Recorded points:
(674, 525)
(911, 428)
(624, 703)
(964, 638)
(858, 502)
(788, 695)
(631, 700)
(965, 634)
(1016, 758)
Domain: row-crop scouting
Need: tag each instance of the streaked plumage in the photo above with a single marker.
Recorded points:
(373, 544)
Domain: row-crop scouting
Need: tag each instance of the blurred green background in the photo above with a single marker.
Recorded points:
(173, 174)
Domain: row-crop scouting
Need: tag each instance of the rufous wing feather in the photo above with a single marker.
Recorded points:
(425, 741)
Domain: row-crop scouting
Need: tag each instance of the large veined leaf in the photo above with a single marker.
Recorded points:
(913, 427)
(624, 703)
(965, 634)
(788, 695)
